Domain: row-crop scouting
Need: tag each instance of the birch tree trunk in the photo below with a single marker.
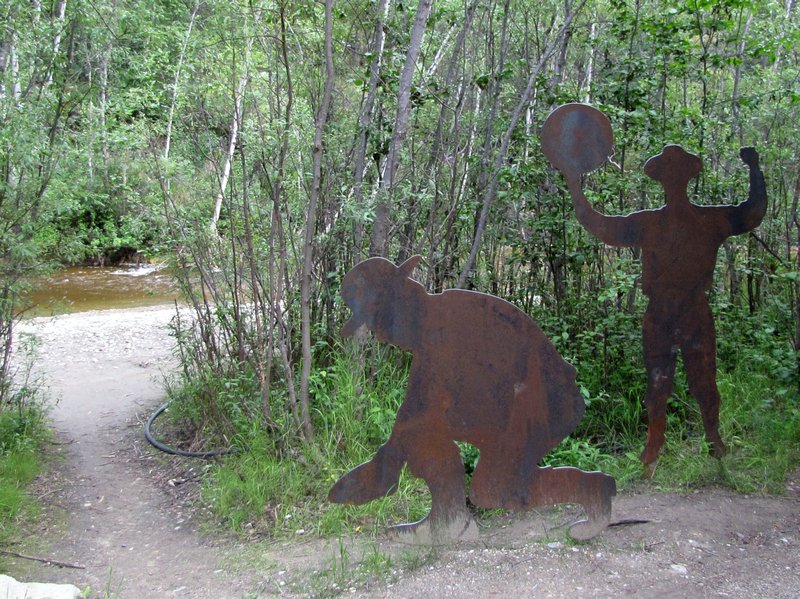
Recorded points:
(58, 18)
(102, 107)
(234, 137)
(16, 88)
(176, 80)
(795, 216)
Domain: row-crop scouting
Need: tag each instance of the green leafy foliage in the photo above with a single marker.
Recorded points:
(277, 490)
(21, 433)
(710, 76)
(116, 131)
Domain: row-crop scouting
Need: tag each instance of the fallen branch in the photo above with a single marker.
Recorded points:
(52, 562)
(629, 521)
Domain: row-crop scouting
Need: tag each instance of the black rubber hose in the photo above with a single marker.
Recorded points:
(173, 450)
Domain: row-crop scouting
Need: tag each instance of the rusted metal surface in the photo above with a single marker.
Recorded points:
(577, 139)
(484, 373)
(679, 244)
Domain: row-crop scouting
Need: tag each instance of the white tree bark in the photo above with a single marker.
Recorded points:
(58, 18)
(238, 103)
(176, 80)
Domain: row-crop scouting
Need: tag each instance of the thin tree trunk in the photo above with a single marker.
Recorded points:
(777, 64)
(737, 76)
(489, 193)
(380, 231)
(16, 88)
(277, 328)
(437, 161)
(795, 215)
(587, 97)
(736, 131)
(5, 49)
(437, 59)
(311, 219)
(493, 100)
(238, 102)
(7, 52)
(458, 185)
(365, 118)
(7, 299)
(176, 80)
(58, 17)
(104, 150)
(276, 279)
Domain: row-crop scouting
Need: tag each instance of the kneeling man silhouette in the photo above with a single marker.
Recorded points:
(483, 373)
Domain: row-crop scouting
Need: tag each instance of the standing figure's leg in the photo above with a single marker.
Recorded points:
(660, 355)
(700, 361)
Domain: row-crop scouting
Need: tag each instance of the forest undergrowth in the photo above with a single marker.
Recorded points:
(277, 487)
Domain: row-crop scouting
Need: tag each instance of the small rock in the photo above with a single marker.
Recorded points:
(13, 589)
(680, 569)
(555, 545)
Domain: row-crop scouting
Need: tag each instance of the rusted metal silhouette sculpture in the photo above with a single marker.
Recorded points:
(679, 244)
(484, 373)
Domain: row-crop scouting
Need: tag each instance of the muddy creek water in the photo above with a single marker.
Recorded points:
(83, 288)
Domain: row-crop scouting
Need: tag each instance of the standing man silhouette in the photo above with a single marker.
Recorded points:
(679, 244)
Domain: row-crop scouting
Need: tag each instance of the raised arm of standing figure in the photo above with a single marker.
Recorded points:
(611, 230)
(749, 214)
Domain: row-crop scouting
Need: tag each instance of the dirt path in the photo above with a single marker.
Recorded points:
(707, 544)
(105, 370)
(136, 540)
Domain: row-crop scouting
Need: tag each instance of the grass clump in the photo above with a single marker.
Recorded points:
(279, 489)
(21, 433)
(344, 572)
(260, 493)
(355, 567)
(759, 424)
